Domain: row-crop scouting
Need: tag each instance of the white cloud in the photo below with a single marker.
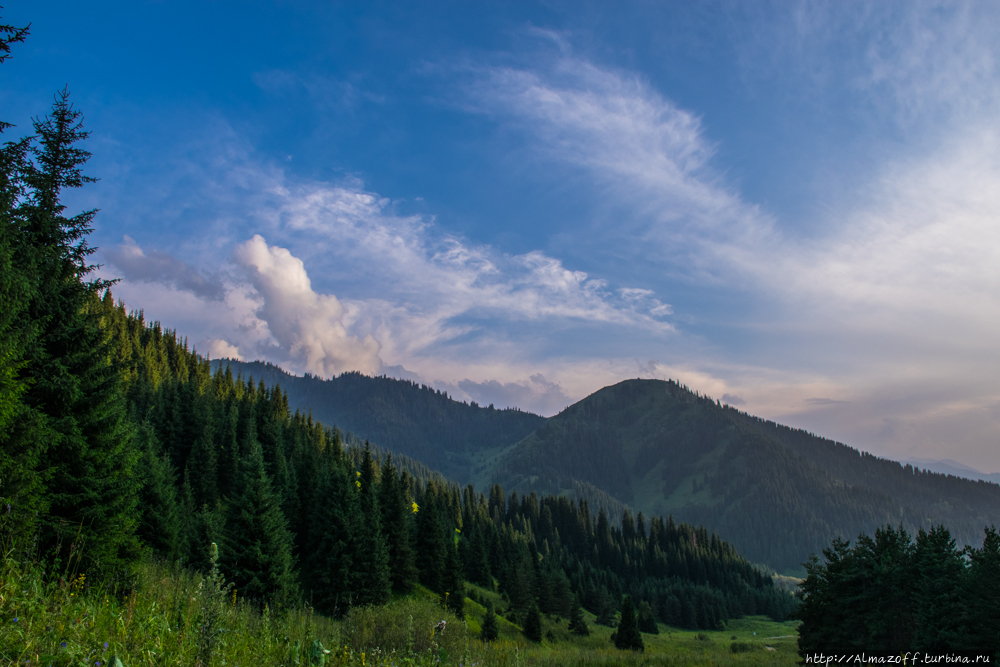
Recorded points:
(307, 326)
(542, 396)
(220, 349)
(898, 290)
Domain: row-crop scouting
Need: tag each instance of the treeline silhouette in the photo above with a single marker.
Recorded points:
(900, 595)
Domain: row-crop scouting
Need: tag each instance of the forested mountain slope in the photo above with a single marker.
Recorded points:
(400, 415)
(226, 460)
(778, 494)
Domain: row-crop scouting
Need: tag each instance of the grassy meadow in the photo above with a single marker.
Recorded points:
(163, 615)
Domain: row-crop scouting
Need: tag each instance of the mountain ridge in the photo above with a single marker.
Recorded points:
(779, 494)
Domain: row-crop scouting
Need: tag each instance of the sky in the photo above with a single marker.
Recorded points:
(791, 207)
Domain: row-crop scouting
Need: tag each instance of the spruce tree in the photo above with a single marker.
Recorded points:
(332, 544)
(396, 514)
(431, 546)
(454, 589)
(372, 570)
(533, 623)
(647, 619)
(70, 379)
(983, 596)
(577, 624)
(490, 628)
(627, 637)
(160, 522)
(258, 550)
(939, 596)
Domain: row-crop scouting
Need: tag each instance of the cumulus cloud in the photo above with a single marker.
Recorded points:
(151, 266)
(221, 349)
(308, 326)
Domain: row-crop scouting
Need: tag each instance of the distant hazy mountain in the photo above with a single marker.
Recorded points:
(777, 493)
(952, 467)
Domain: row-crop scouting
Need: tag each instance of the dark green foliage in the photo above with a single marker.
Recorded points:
(627, 637)
(405, 417)
(332, 546)
(893, 594)
(490, 628)
(454, 588)
(372, 568)
(532, 624)
(396, 528)
(160, 523)
(777, 494)
(72, 391)
(647, 619)
(577, 624)
(982, 587)
(431, 543)
(257, 556)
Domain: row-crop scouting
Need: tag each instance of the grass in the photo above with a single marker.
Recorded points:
(162, 615)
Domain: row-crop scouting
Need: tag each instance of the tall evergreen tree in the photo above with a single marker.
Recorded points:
(92, 491)
(372, 570)
(160, 522)
(532, 626)
(627, 637)
(577, 623)
(490, 627)
(396, 529)
(431, 543)
(939, 593)
(258, 550)
(983, 596)
(332, 543)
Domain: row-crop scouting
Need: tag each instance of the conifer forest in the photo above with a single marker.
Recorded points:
(157, 507)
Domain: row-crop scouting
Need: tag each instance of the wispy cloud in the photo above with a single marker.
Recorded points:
(158, 266)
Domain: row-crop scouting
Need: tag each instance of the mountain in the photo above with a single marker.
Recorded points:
(778, 494)
(402, 416)
(952, 467)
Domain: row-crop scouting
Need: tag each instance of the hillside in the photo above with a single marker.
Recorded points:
(399, 415)
(778, 494)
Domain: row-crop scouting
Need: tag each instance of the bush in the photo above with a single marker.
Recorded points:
(742, 647)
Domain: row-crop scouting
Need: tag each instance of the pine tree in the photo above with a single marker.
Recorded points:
(533, 623)
(396, 529)
(257, 556)
(454, 589)
(647, 619)
(93, 490)
(372, 570)
(490, 628)
(431, 552)
(332, 542)
(160, 524)
(983, 595)
(938, 595)
(577, 624)
(627, 637)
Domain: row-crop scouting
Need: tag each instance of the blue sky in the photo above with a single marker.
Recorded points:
(792, 207)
